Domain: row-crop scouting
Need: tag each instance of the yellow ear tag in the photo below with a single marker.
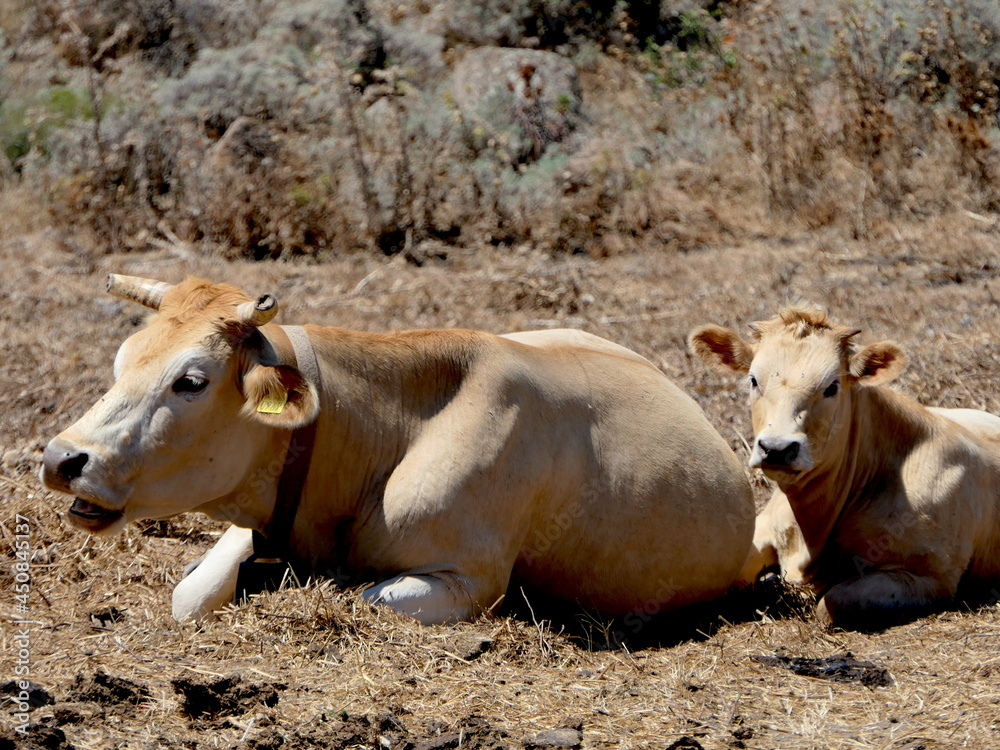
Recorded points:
(273, 403)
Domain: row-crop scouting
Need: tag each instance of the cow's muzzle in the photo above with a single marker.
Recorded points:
(61, 464)
(779, 453)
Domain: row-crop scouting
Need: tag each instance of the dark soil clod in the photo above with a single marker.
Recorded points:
(37, 737)
(37, 695)
(685, 743)
(471, 733)
(106, 690)
(839, 668)
(229, 696)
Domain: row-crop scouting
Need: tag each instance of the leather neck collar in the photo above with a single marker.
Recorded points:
(290, 347)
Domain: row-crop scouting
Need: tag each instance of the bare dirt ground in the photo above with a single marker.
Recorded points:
(316, 668)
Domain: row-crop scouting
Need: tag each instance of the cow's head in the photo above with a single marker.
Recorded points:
(801, 372)
(197, 398)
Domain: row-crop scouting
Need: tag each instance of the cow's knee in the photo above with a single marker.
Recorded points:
(211, 584)
(427, 598)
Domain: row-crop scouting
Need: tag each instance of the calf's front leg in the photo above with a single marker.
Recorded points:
(880, 599)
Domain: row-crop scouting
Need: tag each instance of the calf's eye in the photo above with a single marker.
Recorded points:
(753, 382)
(831, 390)
(189, 384)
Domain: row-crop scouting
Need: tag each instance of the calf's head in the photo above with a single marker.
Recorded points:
(801, 371)
(200, 395)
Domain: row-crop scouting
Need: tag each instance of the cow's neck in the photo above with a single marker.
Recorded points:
(882, 424)
(251, 503)
(377, 392)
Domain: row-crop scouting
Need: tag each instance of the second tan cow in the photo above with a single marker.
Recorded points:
(881, 506)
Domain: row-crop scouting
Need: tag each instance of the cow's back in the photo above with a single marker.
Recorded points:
(652, 509)
(982, 503)
(557, 338)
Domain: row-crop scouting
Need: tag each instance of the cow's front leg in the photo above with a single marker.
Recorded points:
(213, 582)
(429, 598)
(764, 552)
(881, 598)
(763, 555)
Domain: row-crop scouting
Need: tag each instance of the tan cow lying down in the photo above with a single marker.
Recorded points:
(445, 462)
(881, 505)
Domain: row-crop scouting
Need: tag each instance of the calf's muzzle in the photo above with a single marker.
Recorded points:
(776, 451)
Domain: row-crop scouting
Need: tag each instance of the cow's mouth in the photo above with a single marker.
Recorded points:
(91, 516)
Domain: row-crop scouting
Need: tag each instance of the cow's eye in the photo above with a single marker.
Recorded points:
(189, 384)
(753, 382)
(831, 390)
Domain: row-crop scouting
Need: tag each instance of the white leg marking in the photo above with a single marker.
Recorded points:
(428, 599)
(212, 584)
(193, 565)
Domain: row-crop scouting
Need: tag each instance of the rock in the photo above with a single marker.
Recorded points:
(568, 738)
(517, 101)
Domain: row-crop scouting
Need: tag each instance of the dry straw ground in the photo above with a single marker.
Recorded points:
(345, 675)
(734, 164)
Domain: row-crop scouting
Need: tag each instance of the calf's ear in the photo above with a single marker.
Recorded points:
(279, 396)
(721, 348)
(878, 363)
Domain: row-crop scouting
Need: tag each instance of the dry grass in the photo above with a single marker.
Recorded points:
(103, 604)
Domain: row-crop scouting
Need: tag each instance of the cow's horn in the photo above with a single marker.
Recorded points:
(258, 313)
(144, 291)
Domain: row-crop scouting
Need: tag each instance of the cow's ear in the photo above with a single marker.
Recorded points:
(721, 348)
(878, 363)
(279, 396)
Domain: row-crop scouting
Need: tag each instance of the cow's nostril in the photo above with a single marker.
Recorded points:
(69, 465)
(790, 453)
(72, 467)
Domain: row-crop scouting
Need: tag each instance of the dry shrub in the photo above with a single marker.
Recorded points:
(312, 128)
(772, 102)
(957, 64)
(165, 33)
(511, 23)
(13, 12)
(865, 105)
(258, 198)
